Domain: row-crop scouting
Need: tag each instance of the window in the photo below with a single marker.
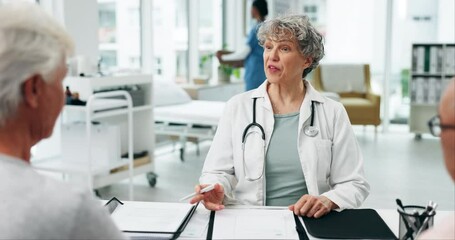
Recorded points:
(210, 31)
(170, 39)
(119, 35)
(171, 21)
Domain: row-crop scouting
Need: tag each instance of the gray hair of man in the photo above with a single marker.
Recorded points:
(31, 43)
(288, 27)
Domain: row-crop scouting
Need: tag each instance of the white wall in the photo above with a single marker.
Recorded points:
(438, 28)
(80, 18)
(446, 21)
(234, 32)
(350, 35)
(165, 45)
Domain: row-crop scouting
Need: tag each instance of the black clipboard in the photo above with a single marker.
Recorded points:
(113, 203)
(210, 228)
(349, 224)
(300, 229)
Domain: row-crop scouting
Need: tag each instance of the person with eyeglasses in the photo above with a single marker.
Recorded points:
(33, 52)
(443, 126)
(284, 143)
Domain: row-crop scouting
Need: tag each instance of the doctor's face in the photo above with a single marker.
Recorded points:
(283, 62)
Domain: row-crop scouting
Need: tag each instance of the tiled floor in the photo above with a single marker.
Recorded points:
(396, 165)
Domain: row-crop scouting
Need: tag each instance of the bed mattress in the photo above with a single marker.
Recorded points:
(195, 112)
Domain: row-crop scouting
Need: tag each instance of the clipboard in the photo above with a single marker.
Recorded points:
(349, 224)
(136, 231)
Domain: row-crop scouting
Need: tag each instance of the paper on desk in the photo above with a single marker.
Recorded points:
(197, 227)
(254, 224)
(156, 217)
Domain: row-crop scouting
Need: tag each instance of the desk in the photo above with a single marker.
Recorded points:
(197, 227)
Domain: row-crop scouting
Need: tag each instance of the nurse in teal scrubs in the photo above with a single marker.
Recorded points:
(250, 56)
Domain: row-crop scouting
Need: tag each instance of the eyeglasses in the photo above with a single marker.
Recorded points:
(436, 127)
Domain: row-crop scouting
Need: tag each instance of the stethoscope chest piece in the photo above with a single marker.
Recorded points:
(311, 131)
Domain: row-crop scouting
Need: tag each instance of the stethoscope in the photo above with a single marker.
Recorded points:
(310, 131)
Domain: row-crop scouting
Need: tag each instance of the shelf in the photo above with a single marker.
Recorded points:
(83, 108)
(429, 105)
(101, 105)
(427, 44)
(118, 176)
(109, 81)
(57, 164)
(415, 74)
(108, 110)
(430, 64)
(142, 108)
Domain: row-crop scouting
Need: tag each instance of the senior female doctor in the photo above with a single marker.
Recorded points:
(284, 144)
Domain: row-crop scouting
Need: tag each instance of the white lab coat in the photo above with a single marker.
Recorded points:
(331, 161)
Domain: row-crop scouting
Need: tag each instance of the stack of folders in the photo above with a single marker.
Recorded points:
(142, 220)
(347, 224)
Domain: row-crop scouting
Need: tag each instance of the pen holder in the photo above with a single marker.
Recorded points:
(413, 221)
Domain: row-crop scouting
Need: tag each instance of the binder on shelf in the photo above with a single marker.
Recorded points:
(349, 224)
(435, 59)
(425, 90)
(426, 66)
(437, 89)
(432, 82)
(449, 60)
(419, 90)
(419, 54)
(160, 220)
(413, 90)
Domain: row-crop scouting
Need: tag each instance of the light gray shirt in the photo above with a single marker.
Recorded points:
(285, 182)
(33, 206)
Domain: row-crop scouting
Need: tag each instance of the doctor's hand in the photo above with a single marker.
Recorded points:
(313, 206)
(212, 200)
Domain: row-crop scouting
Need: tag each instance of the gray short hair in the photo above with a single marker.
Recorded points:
(31, 42)
(309, 40)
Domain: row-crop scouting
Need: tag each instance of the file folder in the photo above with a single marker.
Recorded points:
(150, 221)
(349, 224)
(252, 222)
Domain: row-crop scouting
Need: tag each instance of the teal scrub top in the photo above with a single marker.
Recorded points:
(254, 62)
(284, 179)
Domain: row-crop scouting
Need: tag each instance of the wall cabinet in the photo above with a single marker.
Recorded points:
(433, 65)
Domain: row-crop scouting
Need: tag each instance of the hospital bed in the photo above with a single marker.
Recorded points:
(176, 115)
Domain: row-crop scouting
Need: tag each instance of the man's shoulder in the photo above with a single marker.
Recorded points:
(44, 206)
(27, 189)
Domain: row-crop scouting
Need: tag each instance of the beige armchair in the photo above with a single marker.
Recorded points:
(352, 83)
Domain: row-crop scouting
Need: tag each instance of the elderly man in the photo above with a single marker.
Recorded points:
(33, 51)
(444, 126)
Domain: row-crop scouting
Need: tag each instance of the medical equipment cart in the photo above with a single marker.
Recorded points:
(111, 107)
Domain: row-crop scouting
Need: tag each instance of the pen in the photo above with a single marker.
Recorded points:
(204, 190)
